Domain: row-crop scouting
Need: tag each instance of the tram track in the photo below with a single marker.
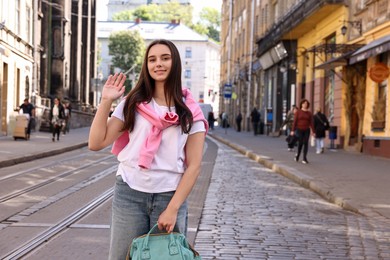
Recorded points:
(51, 180)
(46, 165)
(59, 227)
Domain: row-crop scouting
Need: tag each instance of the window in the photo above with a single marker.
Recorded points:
(187, 73)
(330, 46)
(17, 16)
(28, 23)
(188, 52)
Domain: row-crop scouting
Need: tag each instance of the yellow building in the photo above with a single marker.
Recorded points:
(368, 76)
(320, 50)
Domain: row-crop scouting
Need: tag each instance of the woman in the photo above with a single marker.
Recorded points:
(321, 124)
(303, 122)
(57, 116)
(165, 130)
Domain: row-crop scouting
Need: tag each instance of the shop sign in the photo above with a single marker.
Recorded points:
(379, 72)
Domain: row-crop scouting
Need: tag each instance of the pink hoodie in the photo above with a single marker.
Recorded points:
(159, 123)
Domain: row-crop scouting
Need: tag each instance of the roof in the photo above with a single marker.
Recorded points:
(151, 30)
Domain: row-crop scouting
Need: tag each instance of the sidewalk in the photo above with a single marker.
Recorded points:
(354, 181)
(40, 145)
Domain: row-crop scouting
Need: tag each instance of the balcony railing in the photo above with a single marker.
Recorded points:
(292, 19)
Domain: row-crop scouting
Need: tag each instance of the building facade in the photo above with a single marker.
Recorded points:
(333, 53)
(47, 50)
(17, 78)
(199, 55)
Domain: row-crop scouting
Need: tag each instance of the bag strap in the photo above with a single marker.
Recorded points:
(173, 248)
(319, 118)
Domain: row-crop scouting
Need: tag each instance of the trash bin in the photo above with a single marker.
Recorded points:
(333, 132)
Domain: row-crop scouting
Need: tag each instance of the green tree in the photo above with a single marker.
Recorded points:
(158, 13)
(127, 49)
(209, 24)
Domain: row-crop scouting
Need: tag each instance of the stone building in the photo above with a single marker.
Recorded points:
(333, 53)
(47, 50)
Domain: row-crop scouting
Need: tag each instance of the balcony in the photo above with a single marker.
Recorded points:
(298, 21)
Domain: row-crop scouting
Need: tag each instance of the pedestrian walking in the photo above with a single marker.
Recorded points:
(291, 139)
(238, 121)
(29, 109)
(321, 124)
(211, 120)
(255, 119)
(303, 122)
(57, 116)
(158, 132)
(225, 118)
(68, 115)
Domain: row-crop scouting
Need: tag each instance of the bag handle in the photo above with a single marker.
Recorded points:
(173, 248)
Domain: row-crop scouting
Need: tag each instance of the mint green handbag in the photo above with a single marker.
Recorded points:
(160, 246)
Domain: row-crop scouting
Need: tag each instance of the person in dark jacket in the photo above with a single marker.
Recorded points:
(238, 121)
(303, 122)
(29, 109)
(211, 120)
(255, 119)
(57, 117)
(321, 124)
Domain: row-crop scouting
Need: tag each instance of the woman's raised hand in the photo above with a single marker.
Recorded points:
(114, 87)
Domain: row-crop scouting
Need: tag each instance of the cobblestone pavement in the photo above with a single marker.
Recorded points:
(251, 212)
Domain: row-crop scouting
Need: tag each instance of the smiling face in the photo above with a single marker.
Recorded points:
(159, 62)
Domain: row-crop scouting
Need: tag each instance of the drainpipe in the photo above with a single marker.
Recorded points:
(34, 89)
(250, 65)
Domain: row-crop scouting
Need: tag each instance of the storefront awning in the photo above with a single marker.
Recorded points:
(372, 49)
(333, 63)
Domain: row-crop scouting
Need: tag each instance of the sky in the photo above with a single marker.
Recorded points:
(197, 4)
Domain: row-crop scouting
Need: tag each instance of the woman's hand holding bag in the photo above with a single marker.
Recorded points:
(170, 246)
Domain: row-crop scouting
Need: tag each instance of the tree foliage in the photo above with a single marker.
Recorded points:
(126, 48)
(158, 13)
(209, 24)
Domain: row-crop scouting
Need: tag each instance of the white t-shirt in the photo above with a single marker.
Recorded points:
(167, 166)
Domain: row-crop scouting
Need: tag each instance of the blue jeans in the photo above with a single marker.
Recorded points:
(134, 213)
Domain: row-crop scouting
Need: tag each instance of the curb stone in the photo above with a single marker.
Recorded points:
(303, 180)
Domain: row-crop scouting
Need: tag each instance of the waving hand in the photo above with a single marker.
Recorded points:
(114, 87)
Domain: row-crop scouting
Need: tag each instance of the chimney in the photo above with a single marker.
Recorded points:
(138, 20)
(174, 21)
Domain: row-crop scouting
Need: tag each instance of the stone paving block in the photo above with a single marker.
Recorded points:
(251, 212)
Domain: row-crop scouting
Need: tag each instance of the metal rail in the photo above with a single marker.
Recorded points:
(57, 228)
(49, 181)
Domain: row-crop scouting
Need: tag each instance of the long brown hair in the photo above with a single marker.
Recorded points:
(144, 89)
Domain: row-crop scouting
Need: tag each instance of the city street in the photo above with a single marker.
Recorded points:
(59, 206)
(252, 213)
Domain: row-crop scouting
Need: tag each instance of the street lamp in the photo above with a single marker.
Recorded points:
(355, 24)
